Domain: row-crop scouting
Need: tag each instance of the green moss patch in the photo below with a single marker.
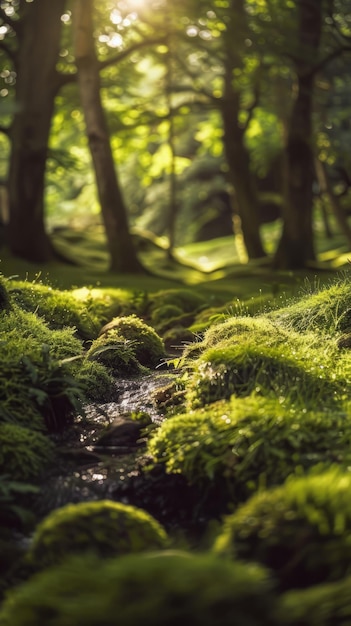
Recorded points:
(146, 344)
(233, 448)
(158, 589)
(24, 453)
(106, 528)
(301, 530)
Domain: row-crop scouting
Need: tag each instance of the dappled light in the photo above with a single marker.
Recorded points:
(175, 317)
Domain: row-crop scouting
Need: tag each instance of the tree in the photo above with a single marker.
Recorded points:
(37, 83)
(122, 254)
(296, 246)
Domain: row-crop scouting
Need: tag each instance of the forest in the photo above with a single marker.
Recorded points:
(175, 312)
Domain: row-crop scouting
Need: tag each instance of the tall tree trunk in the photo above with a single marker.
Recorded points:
(238, 159)
(296, 245)
(39, 41)
(327, 190)
(237, 154)
(123, 257)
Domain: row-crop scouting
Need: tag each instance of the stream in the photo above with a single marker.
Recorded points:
(104, 452)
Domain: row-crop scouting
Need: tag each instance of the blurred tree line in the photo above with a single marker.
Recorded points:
(179, 118)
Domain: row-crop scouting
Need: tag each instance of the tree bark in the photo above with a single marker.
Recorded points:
(238, 159)
(237, 154)
(39, 41)
(296, 245)
(123, 258)
(327, 190)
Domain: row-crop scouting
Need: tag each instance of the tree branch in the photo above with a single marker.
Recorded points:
(67, 79)
(120, 56)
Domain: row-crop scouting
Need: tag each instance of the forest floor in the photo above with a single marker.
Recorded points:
(221, 389)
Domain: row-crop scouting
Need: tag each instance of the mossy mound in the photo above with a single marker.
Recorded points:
(245, 367)
(155, 589)
(24, 453)
(165, 313)
(94, 378)
(58, 308)
(38, 392)
(184, 299)
(43, 375)
(116, 353)
(146, 344)
(327, 310)
(321, 605)
(301, 530)
(106, 528)
(232, 448)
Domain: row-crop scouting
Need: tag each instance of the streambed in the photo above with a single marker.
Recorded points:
(103, 454)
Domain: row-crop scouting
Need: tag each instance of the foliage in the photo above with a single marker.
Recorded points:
(145, 342)
(159, 588)
(24, 453)
(14, 510)
(106, 528)
(233, 448)
(116, 353)
(301, 530)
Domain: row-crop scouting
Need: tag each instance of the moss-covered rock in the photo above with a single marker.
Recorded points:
(58, 308)
(245, 367)
(165, 313)
(116, 353)
(232, 448)
(301, 530)
(154, 589)
(24, 453)
(146, 344)
(106, 528)
(326, 310)
(321, 605)
(187, 300)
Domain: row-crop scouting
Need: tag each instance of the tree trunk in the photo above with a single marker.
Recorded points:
(327, 190)
(238, 160)
(123, 257)
(39, 41)
(237, 154)
(296, 245)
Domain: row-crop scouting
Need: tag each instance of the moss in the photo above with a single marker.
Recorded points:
(95, 379)
(57, 308)
(232, 448)
(185, 299)
(321, 605)
(106, 528)
(4, 296)
(24, 454)
(116, 353)
(245, 367)
(36, 390)
(165, 313)
(327, 310)
(301, 530)
(146, 344)
(158, 589)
